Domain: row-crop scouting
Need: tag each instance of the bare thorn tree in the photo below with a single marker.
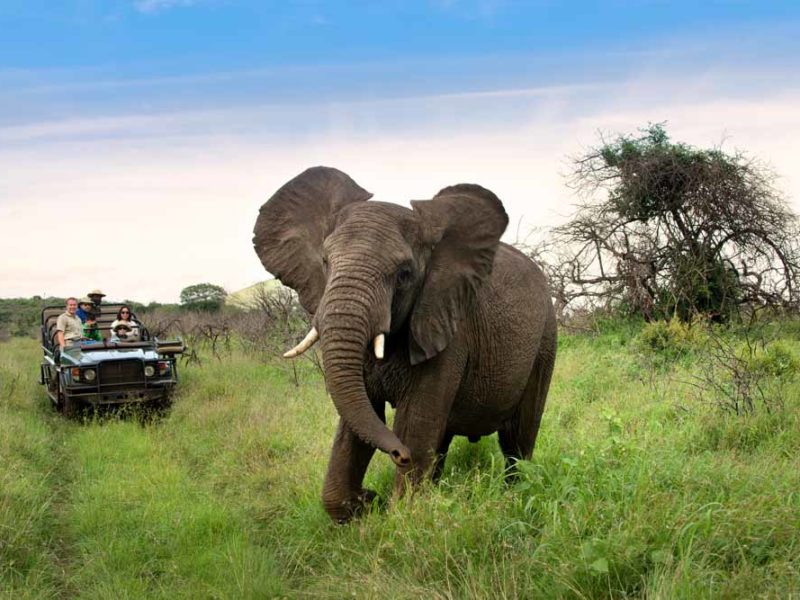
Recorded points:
(667, 229)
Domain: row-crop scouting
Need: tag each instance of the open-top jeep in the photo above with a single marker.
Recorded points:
(108, 372)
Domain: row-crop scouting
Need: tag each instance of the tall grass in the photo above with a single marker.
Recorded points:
(636, 489)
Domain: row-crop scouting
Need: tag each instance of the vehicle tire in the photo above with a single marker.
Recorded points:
(53, 393)
(161, 406)
(69, 406)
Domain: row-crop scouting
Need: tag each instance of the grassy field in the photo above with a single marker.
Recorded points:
(636, 489)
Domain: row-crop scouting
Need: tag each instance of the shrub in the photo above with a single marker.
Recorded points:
(669, 340)
(774, 360)
(739, 375)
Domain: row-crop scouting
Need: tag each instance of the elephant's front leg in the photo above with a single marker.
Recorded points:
(342, 494)
(423, 434)
(421, 420)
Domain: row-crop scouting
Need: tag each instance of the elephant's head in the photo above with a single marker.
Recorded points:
(367, 269)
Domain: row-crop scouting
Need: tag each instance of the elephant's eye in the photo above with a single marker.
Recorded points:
(403, 275)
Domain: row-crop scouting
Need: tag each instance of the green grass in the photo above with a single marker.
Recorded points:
(636, 489)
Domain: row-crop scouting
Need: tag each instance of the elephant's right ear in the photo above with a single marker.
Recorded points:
(292, 225)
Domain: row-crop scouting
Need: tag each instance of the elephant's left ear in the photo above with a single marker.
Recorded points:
(463, 223)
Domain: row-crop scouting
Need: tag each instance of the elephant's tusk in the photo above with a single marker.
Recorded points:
(379, 341)
(307, 342)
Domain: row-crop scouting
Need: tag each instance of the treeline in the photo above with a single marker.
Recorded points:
(21, 316)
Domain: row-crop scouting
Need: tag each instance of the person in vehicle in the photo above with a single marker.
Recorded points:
(96, 296)
(90, 329)
(88, 313)
(69, 329)
(85, 308)
(124, 328)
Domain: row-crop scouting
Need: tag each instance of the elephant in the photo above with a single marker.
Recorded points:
(422, 308)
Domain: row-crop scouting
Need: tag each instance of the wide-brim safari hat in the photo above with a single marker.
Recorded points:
(85, 300)
(95, 292)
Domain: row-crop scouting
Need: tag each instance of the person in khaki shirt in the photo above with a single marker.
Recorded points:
(69, 328)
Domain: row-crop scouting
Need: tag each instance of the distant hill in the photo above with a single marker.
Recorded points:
(244, 297)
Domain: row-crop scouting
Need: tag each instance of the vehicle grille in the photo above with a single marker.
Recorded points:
(121, 371)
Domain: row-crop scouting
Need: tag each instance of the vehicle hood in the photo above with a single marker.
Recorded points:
(78, 357)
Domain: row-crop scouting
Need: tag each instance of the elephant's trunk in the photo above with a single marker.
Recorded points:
(346, 331)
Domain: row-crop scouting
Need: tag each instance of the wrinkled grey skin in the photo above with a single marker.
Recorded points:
(470, 328)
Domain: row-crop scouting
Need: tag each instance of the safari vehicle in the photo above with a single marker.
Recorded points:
(108, 372)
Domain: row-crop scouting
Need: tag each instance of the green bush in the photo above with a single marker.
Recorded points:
(741, 375)
(669, 340)
(774, 360)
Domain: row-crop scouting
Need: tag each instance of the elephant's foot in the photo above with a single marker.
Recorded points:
(342, 511)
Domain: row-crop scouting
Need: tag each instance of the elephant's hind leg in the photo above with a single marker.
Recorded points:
(342, 494)
(518, 435)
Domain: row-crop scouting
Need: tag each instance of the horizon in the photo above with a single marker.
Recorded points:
(174, 120)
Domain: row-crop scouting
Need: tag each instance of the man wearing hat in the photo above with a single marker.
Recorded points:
(96, 297)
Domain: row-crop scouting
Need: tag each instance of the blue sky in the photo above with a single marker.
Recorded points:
(150, 37)
(180, 117)
(68, 57)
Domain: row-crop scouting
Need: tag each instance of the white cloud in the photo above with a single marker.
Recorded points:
(204, 121)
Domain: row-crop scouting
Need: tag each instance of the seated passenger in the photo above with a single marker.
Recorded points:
(90, 329)
(69, 329)
(85, 308)
(123, 329)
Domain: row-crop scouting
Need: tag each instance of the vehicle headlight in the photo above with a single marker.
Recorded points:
(89, 374)
(149, 371)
